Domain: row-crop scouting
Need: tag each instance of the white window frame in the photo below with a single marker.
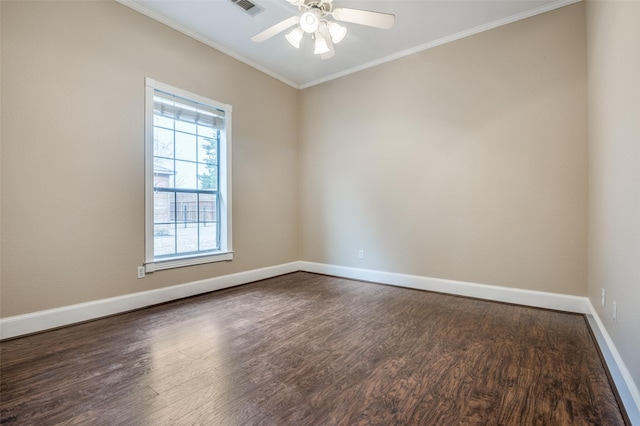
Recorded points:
(225, 252)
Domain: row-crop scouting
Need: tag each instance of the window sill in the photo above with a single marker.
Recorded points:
(187, 261)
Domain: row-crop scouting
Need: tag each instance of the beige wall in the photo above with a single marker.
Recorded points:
(614, 170)
(72, 152)
(467, 161)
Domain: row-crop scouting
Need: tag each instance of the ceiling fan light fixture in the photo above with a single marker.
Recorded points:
(317, 18)
(337, 32)
(321, 45)
(309, 22)
(294, 37)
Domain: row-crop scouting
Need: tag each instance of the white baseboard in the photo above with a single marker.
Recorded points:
(539, 299)
(52, 318)
(627, 388)
(58, 317)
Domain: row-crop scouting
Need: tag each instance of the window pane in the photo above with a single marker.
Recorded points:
(209, 236)
(186, 207)
(163, 239)
(185, 146)
(184, 126)
(208, 150)
(207, 208)
(207, 177)
(162, 142)
(161, 121)
(208, 222)
(162, 208)
(186, 213)
(163, 229)
(162, 173)
(187, 238)
(206, 131)
(186, 175)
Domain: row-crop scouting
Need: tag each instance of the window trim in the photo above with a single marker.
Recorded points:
(226, 252)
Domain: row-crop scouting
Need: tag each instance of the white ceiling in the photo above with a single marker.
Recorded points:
(420, 24)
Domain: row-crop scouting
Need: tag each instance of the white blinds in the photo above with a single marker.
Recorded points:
(181, 109)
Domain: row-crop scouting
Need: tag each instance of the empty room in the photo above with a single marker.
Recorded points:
(315, 212)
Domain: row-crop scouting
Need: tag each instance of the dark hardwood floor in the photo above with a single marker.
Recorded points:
(305, 349)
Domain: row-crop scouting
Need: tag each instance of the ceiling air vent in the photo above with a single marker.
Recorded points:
(251, 8)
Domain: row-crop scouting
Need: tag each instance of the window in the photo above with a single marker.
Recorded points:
(187, 178)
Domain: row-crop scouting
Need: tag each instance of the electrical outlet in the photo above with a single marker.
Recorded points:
(140, 271)
(360, 254)
(614, 314)
(604, 296)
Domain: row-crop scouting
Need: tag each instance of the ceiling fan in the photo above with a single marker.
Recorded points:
(314, 20)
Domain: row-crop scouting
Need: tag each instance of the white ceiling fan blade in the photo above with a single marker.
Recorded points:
(276, 29)
(327, 38)
(365, 17)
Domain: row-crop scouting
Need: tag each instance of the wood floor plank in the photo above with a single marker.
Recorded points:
(307, 349)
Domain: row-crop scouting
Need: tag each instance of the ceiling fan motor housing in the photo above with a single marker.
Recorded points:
(322, 7)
